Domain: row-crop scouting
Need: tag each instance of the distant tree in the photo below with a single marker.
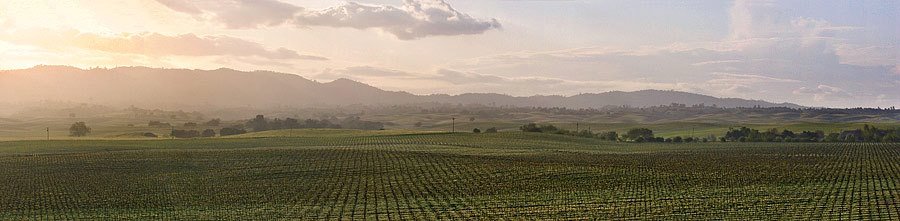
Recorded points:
(476, 130)
(643, 133)
(610, 136)
(213, 123)
(291, 123)
(677, 139)
(491, 130)
(833, 137)
(229, 131)
(530, 127)
(190, 124)
(148, 134)
(585, 134)
(185, 133)
(208, 133)
(418, 124)
(79, 129)
(471, 119)
(158, 124)
(689, 140)
(259, 123)
(548, 128)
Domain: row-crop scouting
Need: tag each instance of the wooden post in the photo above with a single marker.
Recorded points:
(453, 125)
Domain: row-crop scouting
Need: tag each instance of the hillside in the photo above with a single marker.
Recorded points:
(227, 88)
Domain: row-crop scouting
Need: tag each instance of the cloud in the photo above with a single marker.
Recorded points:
(745, 79)
(151, 44)
(769, 54)
(413, 20)
(237, 14)
(825, 93)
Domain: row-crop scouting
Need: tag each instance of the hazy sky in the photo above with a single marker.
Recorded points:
(820, 53)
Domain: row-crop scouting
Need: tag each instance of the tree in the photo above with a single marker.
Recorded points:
(418, 124)
(259, 123)
(476, 130)
(213, 122)
(610, 136)
(891, 138)
(228, 131)
(530, 127)
(677, 139)
(471, 119)
(643, 133)
(185, 133)
(208, 133)
(79, 129)
(585, 133)
(833, 137)
(491, 130)
(190, 124)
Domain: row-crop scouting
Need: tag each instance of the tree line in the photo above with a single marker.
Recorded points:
(743, 134)
(865, 134)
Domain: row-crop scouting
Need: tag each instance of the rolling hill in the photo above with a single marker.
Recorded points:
(227, 88)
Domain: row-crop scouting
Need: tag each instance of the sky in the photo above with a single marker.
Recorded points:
(809, 52)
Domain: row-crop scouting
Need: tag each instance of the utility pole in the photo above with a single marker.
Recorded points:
(48, 133)
(453, 125)
(576, 127)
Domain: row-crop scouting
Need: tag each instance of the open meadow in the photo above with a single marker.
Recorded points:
(403, 175)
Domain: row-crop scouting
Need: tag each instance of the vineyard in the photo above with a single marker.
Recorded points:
(402, 175)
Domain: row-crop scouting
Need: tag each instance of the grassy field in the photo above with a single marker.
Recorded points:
(402, 175)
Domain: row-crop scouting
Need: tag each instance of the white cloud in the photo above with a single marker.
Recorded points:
(413, 20)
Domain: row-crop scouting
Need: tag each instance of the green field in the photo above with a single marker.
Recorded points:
(402, 175)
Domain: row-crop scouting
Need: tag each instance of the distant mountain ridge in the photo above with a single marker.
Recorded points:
(225, 88)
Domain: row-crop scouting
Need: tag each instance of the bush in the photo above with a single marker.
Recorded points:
(491, 130)
(148, 134)
(476, 130)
